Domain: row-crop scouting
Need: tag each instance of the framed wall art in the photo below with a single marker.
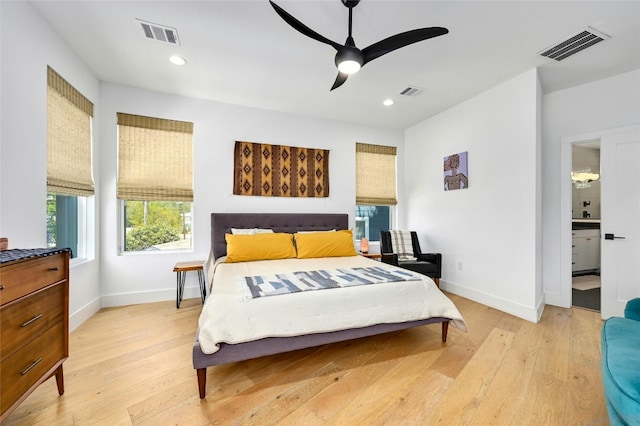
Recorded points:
(456, 171)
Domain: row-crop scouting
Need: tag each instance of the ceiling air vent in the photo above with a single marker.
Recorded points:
(412, 91)
(159, 32)
(574, 44)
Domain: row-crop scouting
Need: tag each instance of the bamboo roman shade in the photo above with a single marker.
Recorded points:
(155, 159)
(376, 175)
(68, 138)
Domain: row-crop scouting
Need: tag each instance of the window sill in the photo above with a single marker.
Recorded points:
(79, 261)
(154, 252)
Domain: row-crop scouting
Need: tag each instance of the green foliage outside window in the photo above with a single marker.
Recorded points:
(155, 224)
(51, 220)
(145, 237)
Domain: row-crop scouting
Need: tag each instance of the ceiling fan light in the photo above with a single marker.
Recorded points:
(349, 66)
(349, 60)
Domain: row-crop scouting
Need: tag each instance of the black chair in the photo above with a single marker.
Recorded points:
(429, 264)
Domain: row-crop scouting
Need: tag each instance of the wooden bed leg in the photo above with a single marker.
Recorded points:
(202, 382)
(445, 329)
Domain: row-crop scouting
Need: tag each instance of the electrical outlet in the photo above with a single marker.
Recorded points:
(459, 266)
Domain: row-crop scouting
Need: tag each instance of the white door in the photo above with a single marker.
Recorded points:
(620, 226)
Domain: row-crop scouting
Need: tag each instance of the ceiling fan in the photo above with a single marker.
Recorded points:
(349, 58)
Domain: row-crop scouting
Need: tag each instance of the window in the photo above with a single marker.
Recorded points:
(69, 165)
(375, 189)
(157, 225)
(370, 220)
(155, 183)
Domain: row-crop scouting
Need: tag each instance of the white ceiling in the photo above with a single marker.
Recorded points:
(242, 52)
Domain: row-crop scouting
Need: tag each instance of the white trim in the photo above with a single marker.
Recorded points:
(123, 299)
(563, 298)
(527, 313)
(83, 314)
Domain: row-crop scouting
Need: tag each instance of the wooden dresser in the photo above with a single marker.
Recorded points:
(34, 322)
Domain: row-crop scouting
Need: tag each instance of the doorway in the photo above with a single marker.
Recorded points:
(585, 225)
(620, 209)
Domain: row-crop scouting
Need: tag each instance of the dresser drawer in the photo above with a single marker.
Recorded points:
(25, 277)
(26, 367)
(23, 320)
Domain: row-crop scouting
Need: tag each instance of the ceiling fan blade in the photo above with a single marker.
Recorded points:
(340, 79)
(299, 26)
(400, 40)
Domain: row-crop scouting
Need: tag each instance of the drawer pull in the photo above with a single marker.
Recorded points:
(33, 364)
(1, 287)
(37, 317)
(55, 268)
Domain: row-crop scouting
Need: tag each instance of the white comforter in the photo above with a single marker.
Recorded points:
(230, 315)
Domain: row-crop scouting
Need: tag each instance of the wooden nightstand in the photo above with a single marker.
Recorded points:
(376, 256)
(182, 268)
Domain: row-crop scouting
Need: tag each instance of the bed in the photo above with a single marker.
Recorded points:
(235, 325)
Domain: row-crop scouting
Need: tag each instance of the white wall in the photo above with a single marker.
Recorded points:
(142, 278)
(590, 109)
(28, 45)
(492, 227)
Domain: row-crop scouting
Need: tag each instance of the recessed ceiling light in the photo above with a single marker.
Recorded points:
(177, 60)
(388, 102)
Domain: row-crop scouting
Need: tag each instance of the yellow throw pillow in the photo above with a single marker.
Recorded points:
(325, 244)
(244, 248)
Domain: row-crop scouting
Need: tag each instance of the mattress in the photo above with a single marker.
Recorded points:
(231, 316)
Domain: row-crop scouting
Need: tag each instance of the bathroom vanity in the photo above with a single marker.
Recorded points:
(585, 246)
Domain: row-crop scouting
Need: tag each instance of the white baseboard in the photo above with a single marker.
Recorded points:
(540, 307)
(504, 305)
(83, 314)
(123, 299)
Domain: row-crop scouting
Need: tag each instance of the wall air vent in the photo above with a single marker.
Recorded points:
(159, 32)
(412, 91)
(574, 44)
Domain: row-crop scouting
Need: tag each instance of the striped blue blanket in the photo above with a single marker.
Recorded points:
(294, 282)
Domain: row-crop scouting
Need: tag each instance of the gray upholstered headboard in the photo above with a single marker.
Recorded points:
(221, 224)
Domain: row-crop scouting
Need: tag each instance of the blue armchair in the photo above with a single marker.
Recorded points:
(621, 365)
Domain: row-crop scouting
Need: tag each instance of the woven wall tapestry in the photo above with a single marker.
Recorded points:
(280, 171)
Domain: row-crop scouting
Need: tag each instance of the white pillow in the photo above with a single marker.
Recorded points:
(250, 231)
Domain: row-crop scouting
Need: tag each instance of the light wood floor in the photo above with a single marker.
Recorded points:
(132, 365)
